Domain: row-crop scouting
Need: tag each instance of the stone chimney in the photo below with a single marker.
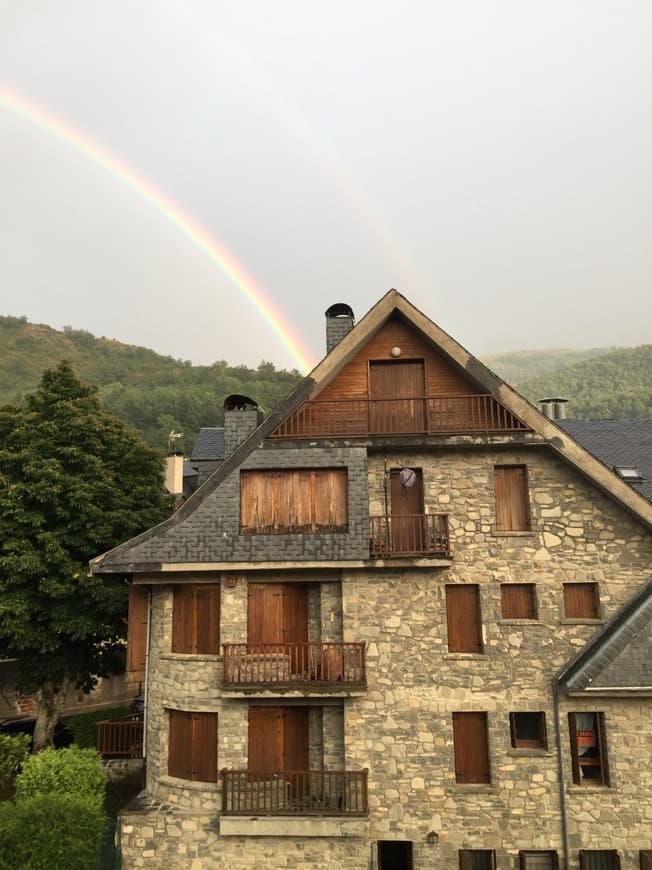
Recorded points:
(242, 416)
(174, 473)
(339, 322)
(555, 409)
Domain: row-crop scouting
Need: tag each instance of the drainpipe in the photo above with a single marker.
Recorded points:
(146, 687)
(561, 773)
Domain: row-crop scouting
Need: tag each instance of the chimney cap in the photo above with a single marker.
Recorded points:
(237, 402)
(339, 309)
(552, 400)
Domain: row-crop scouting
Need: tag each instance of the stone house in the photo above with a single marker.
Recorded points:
(406, 623)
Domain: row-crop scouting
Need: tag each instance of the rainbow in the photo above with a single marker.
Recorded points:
(216, 252)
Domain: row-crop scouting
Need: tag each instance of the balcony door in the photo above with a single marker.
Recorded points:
(279, 740)
(397, 392)
(277, 613)
(407, 523)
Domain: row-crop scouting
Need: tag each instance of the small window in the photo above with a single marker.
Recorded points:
(463, 618)
(538, 860)
(646, 859)
(528, 730)
(588, 749)
(581, 601)
(599, 859)
(395, 855)
(196, 619)
(518, 601)
(471, 748)
(192, 749)
(629, 473)
(512, 499)
(477, 859)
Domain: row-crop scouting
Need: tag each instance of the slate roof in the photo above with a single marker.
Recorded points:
(619, 656)
(617, 442)
(209, 445)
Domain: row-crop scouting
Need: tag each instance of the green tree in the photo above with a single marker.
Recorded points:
(74, 481)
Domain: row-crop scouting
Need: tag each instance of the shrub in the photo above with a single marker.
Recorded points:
(71, 771)
(84, 726)
(14, 749)
(46, 831)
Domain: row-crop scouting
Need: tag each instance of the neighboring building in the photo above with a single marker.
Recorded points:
(369, 638)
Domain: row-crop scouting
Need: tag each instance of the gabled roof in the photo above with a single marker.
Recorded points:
(618, 658)
(617, 443)
(209, 445)
(390, 304)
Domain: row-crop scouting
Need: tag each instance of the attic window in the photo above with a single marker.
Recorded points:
(629, 473)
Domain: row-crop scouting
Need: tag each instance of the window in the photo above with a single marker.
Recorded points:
(395, 855)
(599, 859)
(192, 751)
(512, 500)
(477, 859)
(581, 601)
(629, 473)
(528, 730)
(138, 615)
(471, 748)
(588, 749)
(463, 618)
(538, 861)
(518, 601)
(196, 619)
(294, 500)
(646, 859)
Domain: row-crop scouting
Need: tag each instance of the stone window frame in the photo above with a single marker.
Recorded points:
(525, 743)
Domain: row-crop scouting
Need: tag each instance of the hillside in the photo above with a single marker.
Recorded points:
(158, 394)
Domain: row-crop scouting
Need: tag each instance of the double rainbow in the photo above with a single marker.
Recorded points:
(217, 253)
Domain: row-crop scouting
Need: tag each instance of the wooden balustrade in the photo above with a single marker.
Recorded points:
(295, 792)
(432, 415)
(415, 535)
(121, 737)
(304, 664)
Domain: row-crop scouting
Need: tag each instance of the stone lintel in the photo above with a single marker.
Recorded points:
(284, 826)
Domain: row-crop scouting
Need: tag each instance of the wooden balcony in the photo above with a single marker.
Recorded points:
(330, 663)
(295, 793)
(416, 535)
(121, 738)
(435, 415)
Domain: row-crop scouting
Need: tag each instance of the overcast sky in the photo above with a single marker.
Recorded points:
(492, 160)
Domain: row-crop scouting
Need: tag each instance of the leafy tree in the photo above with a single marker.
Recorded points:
(74, 481)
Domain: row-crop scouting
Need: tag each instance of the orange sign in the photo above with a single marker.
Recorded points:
(586, 738)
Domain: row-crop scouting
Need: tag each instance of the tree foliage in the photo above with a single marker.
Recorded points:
(74, 481)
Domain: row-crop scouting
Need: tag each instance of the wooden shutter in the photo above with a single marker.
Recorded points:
(204, 747)
(296, 738)
(293, 500)
(399, 387)
(512, 501)
(463, 618)
(138, 615)
(266, 621)
(183, 620)
(581, 601)
(517, 601)
(330, 499)
(471, 747)
(180, 744)
(207, 618)
(646, 859)
(599, 859)
(265, 739)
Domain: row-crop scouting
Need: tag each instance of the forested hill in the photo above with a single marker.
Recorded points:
(158, 394)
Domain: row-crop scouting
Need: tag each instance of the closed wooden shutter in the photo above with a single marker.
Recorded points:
(294, 500)
(646, 859)
(471, 747)
(517, 601)
(512, 501)
(204, 747)
(137, 620)
(599, 859)
(183, 619)
(265, 739)
(180, 744)
(399, 388)
(581, 601)
(207, 612)
(296, 738)
(463, 618)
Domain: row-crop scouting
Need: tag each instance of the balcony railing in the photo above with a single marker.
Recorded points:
(295, 793)
(329, 663)
(121, 737)
(418, 416)
(416, 535)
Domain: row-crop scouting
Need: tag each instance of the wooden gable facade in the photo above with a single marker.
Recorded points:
(398, 383)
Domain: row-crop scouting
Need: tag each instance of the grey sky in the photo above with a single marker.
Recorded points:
(492, 160)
